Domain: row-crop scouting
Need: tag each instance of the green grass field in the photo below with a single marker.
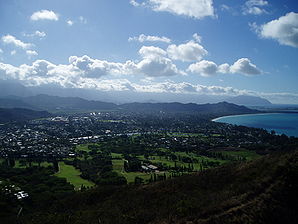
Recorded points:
(171, 163)
(130, 177)
(73, 176)
(116, 155)
(118, 165)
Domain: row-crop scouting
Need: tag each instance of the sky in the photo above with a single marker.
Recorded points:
(203, 47)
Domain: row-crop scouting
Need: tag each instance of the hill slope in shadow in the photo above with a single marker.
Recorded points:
(261, 191)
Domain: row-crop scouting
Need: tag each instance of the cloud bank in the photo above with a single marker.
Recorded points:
(197, 9)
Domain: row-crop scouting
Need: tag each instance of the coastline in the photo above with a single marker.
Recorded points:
(279, 125)
(241, 115)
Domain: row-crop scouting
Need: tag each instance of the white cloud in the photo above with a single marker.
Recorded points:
(8, 71)
(158, 67)
(94, 68)
(204, 68)
(190, 51)
(255, 11)
(281, 98)
(69, 22)
(224, 68)
(143, 38)
(9, 39)
(31, 53)
(44, 15)
(197, 37)
(283, 29)
(134, 3)
(13, 52)
(1, 51)
(40, 33)
(151, 51)
(245, 67)
(71, 75)
(254, 7)
(254, 27)
(155, 63)
(37, 33)
(43, 72)
(87, 70)
(83, 19)
(224, 7)
(208, 68)
(108, 85)
(192, 8)
(186, 88)
(250, 3)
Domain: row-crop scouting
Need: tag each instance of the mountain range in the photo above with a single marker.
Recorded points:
(75, 104)
(9, 88)
(20, 114)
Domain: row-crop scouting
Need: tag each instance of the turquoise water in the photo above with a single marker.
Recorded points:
(281, 123)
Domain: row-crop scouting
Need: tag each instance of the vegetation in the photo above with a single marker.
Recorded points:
(40, 185)
(135, 167)
(259, 191)
(248, 155)
(20, 114)
(72, 176)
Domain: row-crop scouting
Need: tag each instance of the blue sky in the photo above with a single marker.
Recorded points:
(212, 47)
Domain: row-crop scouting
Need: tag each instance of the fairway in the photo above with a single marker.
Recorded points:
(73, 176)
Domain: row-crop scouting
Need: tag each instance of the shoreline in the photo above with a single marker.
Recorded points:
(241, 115)
(287, 128)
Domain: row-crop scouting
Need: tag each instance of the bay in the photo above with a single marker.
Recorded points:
(281, 123)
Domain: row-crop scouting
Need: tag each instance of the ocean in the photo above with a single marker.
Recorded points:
(281, 123)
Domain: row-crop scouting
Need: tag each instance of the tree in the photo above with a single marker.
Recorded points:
(56, 165)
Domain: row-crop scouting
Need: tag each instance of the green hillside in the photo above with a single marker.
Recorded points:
(260, 191)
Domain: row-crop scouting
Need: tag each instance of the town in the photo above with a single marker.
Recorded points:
(124, 147)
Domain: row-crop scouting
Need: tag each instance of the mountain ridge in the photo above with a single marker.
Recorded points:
(20, 114)
(60, 104)
(249, 100)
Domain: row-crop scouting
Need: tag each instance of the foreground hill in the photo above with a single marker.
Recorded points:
(20, 114)
(261, 191)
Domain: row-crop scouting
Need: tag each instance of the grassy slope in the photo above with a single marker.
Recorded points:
(260, 191)
(73, 176)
